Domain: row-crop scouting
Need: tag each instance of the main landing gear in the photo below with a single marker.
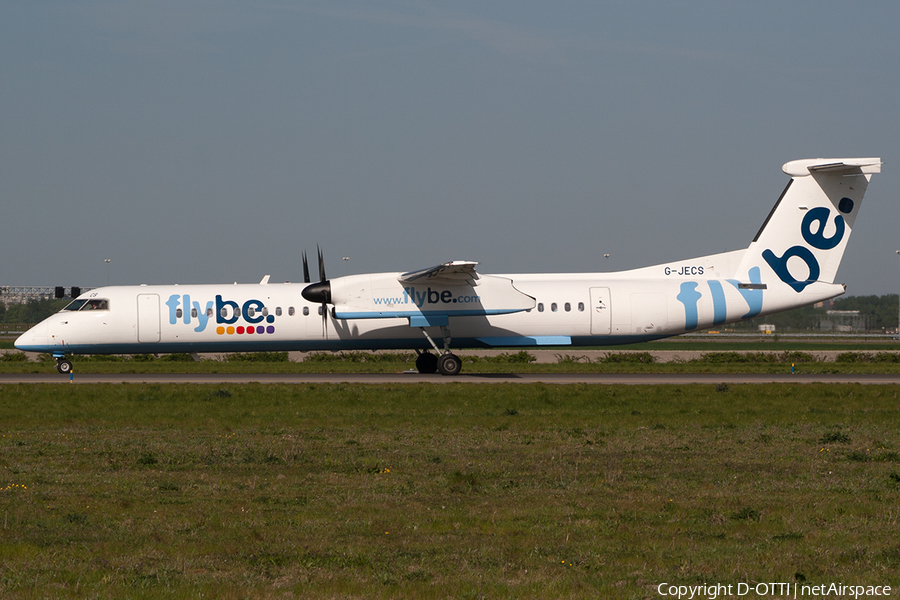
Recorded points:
(449, 364)
(426, 363)
(445, 363)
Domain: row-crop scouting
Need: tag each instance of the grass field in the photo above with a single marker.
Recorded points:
(849, 362)
(452, 491)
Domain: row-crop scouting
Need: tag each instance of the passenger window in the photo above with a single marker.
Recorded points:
(278, 311)
(178, 313)
(581, 307)
(540, 307)
(194, 312)
(568, 307)
(553, 307)
(305, 311)
(224, 312)
(209, 312)
(237, 312)
(251, 312)
(265, 311)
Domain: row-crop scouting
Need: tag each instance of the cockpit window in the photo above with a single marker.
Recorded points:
(92, 304)
(75, 305)
(96, 304)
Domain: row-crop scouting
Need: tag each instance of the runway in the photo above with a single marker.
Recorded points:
(486, 378)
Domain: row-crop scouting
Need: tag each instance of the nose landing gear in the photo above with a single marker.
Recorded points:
(63, 365)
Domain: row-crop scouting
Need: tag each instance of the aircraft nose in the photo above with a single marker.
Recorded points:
(34, 340)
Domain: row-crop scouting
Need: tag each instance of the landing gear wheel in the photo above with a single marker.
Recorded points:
(64, 366)
(449, 364)
(426, 363)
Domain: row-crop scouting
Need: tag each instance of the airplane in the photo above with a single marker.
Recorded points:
(791, 262)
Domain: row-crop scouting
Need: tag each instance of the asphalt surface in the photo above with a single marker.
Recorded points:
(394, 378)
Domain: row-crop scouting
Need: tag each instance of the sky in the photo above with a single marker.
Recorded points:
(193, 141)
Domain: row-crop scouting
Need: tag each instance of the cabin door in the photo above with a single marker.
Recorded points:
(601, 318)
(148, 318)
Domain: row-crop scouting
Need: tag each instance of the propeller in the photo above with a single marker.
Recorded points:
(305, 268)
(318, 292)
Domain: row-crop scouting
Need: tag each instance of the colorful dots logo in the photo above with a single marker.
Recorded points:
(246, 330)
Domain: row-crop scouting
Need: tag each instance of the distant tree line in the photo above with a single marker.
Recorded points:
(880, 313)
(31, 312)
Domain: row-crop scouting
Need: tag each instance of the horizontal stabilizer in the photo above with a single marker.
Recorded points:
(800, 168)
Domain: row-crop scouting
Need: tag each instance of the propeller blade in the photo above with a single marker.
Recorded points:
(321, 265)
(305, 268)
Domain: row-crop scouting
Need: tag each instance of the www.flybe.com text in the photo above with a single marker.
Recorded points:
(428, 296)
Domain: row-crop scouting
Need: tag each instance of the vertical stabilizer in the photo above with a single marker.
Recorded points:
(804, 237)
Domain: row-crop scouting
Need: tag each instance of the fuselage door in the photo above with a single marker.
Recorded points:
(148, 318)
(601, 318)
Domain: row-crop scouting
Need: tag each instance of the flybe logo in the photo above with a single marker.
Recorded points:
(253, 313)
(817, 219)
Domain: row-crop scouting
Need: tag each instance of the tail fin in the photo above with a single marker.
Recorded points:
(803, 239)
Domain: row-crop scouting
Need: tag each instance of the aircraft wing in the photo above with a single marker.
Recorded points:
(451, 289)
(455, 272)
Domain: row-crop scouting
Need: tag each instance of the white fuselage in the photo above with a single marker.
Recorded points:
(565, 309)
